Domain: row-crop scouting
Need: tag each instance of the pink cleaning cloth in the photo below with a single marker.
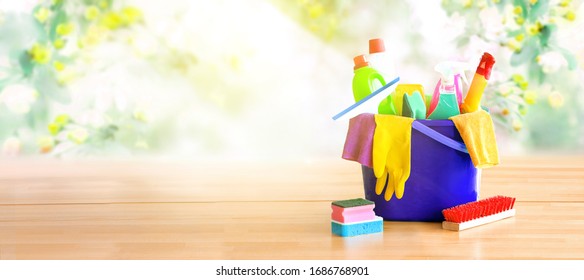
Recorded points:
(353, 214)
(359, 141)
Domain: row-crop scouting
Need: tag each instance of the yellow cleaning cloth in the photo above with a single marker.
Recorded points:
(391, 154)
(478, 134)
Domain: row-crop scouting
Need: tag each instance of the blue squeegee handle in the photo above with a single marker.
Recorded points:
(459, 146)
(335, 117)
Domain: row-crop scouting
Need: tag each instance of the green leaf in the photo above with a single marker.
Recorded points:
(462, 41)
(18, 32)
(539, 9)
(535, 73)
(60, 17)
(570, 58)
(47, 85)
(501, 5)
(26, 64)
(545, 34)
(527, 53)
(523, 5)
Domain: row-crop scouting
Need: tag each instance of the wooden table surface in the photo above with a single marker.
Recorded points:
(59, 209)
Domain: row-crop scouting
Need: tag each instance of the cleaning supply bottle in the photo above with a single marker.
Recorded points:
(366, 80)
(446, 101)
(379, 59)
(472, 100)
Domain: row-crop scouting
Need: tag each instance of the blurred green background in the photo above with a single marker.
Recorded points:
(261, 79)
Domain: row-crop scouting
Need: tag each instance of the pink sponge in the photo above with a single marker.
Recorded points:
(352, 211)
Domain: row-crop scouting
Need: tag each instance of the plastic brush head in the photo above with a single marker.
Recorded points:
(478, 209)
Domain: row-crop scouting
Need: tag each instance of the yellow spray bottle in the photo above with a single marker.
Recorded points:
(472, 101)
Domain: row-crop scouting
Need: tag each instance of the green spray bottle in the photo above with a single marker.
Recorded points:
(366, 80)
(447, 95)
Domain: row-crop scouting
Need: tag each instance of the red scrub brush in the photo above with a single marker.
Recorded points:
(478, 213)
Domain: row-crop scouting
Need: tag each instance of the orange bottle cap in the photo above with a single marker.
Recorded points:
(360, 61)
(486, 65)
(376, 45)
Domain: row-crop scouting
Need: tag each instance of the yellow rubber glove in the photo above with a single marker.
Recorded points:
(391, 154)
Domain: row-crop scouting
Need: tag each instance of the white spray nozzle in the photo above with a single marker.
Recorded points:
(449, 69)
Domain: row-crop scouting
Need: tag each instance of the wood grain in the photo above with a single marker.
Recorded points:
(54, 209)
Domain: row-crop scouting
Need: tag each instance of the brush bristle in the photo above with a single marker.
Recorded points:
(478, 209)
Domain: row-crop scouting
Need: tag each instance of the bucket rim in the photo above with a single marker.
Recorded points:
(436, 122)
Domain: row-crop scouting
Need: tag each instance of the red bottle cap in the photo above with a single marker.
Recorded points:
(376, 45)
(486, 65)
(360, 61)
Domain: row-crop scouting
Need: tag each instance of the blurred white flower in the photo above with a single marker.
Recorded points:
(11, 146)
(551, 62)
(18, 98)
(556, 100)
(144, 44)
(492, 21)
(78, 135)
(21, 6)
(504, 89)
(92, 118)
(455, 25)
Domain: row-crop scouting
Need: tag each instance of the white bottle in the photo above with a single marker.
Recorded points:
(380, 61)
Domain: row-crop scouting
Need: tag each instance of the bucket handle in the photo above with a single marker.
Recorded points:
(459, 146)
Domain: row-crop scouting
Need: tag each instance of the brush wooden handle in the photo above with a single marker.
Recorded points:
(479, 221)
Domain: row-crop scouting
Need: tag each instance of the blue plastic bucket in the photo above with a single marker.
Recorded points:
(442, 175)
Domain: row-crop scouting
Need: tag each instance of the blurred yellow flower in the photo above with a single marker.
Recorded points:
(533, 2)
(514, 45)
(556, 100)
(42, 14)
(40, 54)
(78, 135)
(467, 3)
(517, 78)
(316, 10)
(523, 110)
(520, 20)
(54, 128)
(534, 29)
(140, 115)
(517, 10)
(66, 76)
(62, 119)
(131, 15)
(520, 81)
(59, 44)
(517, 125)
(103, 4)
(91, 13)
(570, 15)
(530, 97)
(520, 37)
(65, 29)
(46, 144)
(505, 112)
(111, 20)
(565, 3)
(59, 66)
(93, 36)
